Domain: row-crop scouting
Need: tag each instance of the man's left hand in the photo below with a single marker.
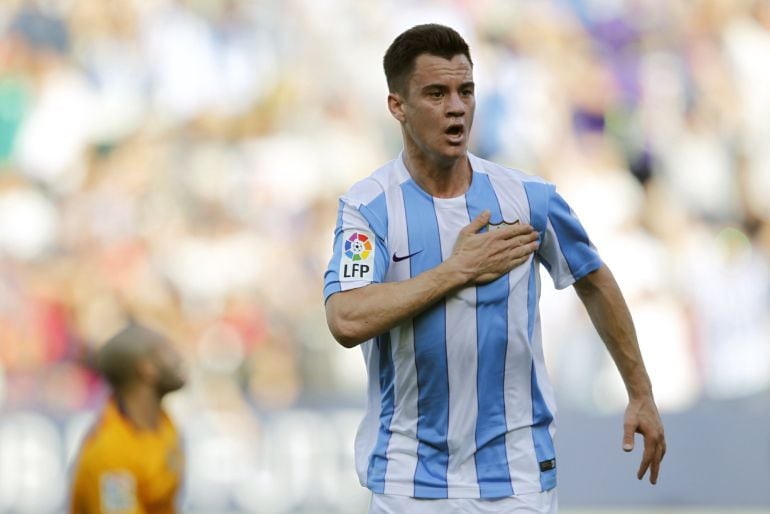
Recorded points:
(642, 417)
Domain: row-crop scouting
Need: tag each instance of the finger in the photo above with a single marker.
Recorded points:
(643, 468)
(519, 246)
(628, 437)
(517, 261)
(656, 462)
(511, 231)
(523, 239)
(655, 465)
(523, 251)
(477, 223)
(649, 452)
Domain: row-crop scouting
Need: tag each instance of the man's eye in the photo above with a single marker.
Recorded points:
(436, 94)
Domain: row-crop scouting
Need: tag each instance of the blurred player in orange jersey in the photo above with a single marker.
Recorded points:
(131, 462)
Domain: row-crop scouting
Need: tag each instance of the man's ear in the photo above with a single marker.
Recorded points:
(396, 106)
(146, 370)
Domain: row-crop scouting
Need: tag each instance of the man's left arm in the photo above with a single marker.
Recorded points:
(607, 308)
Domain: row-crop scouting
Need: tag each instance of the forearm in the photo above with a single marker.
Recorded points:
(357, 315)
(609, 314)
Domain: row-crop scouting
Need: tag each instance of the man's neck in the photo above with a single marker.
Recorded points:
(441, 179)
(141, 406)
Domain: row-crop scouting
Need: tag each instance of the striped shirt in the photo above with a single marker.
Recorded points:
(459, 404)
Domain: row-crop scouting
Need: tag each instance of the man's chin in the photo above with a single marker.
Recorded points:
(170, 387)
(452, 153)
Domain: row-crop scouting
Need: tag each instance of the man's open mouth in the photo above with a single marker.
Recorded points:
(455, 131)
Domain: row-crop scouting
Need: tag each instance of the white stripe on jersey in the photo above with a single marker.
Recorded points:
(402, 450)
(452, 215)
(366, 436)
(524, 470)
(556, 260)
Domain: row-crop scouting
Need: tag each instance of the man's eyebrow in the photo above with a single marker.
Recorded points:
(444, 87)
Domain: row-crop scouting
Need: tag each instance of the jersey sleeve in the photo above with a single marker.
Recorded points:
(360, 254)
(565, 249)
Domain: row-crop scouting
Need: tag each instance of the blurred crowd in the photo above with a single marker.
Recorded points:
(179, 162)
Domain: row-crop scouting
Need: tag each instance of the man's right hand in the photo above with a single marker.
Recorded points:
(485, 256)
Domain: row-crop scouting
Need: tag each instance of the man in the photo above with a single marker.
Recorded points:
(131, 461)
(435, 275)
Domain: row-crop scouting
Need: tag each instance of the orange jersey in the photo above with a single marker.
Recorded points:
(124, 470)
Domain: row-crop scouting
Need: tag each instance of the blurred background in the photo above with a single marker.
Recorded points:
(179, 162)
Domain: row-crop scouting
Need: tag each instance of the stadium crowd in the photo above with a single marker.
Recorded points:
(179, 161)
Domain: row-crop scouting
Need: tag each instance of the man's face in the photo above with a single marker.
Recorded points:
(169, 366)
(437, 112)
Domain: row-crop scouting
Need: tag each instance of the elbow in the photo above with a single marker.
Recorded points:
(345, 321)
(347, 342)
(344, 331)
(593, 282)
(345, 336)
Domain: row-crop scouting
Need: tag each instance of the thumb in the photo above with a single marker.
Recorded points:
(478, 222)
(628, 438)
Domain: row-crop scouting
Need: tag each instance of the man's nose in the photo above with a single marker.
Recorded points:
(455, 105)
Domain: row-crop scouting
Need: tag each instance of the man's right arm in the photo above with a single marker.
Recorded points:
(357, 315)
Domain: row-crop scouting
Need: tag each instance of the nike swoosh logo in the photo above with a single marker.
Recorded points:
(396, 258)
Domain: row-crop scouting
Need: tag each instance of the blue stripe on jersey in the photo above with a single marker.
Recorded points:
(541, 415)
(492, 339)
(538, 196)
(376, 214)
(378, 460)
(531, 300)
(430, 477)
(573, 240)
(545, 262)
(331, 277)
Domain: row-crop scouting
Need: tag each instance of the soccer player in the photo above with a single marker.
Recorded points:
(131, 462)
(435, 275)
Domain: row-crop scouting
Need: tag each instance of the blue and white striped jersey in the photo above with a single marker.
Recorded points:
(459, 403)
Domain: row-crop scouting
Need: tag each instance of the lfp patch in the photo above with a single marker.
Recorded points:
(357, 261)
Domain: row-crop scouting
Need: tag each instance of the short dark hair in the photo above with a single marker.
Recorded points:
(118, 357)
(432, 39)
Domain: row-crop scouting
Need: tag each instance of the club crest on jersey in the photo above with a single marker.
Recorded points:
(357, 260)
(497, 226)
